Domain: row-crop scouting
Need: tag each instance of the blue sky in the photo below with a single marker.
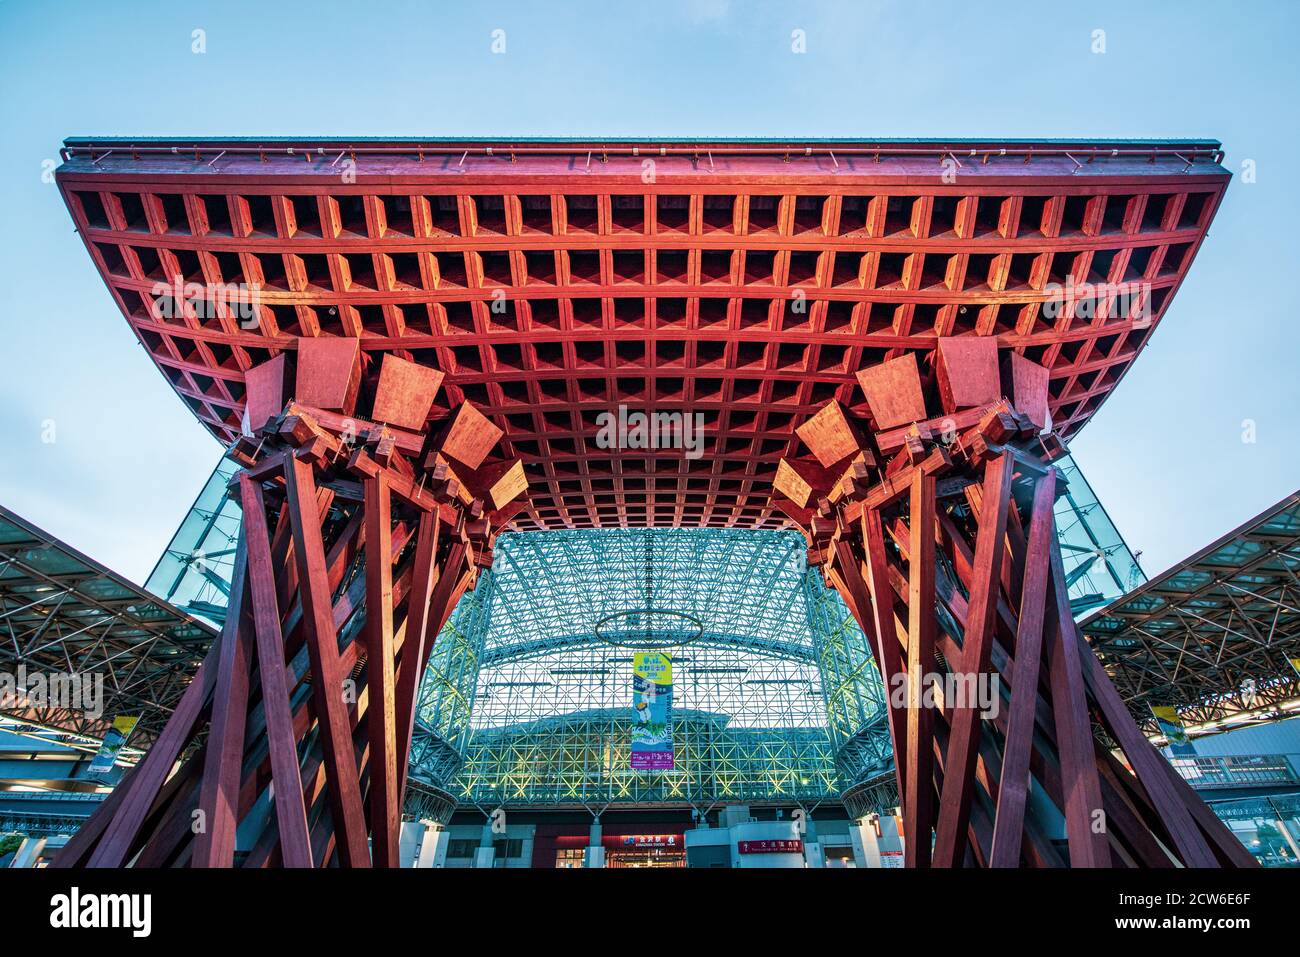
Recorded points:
(1165, 453)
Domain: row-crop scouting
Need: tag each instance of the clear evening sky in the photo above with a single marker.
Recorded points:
(1166, 452)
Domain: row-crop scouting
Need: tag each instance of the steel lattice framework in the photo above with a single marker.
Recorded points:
(195, 571)
(777, 682)
(1214, 635)
(63, 614)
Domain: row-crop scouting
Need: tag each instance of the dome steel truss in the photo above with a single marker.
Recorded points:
(763, 604)
(775, 696)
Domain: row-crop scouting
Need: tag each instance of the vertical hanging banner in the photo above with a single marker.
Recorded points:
(652, 711)
(1171, 726)
(106, 756)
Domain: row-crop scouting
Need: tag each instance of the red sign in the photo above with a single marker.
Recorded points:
(771, 847)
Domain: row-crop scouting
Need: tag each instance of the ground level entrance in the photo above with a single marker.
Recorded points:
(662, 846)
(739, 836)
(664, 854)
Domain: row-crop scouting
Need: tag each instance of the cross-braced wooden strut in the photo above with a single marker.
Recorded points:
(358, 538)
(1012, 747)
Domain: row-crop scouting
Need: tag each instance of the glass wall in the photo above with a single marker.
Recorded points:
(1269, 827)
(1098, 563)
(516, 666)
(194, 571)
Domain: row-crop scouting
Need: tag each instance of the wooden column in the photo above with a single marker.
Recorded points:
(357, 541)
(958, 526)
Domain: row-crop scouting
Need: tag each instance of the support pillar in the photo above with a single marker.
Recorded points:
(882, 843)
(594, 855)
(485, 854)
(428, 853)
(29, 852)
(812, 848)
(941, 540)
(359, 535)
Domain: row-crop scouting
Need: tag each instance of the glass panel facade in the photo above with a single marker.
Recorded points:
(1098, 563)
(1268, 826)
(527, 698)
(194, 571)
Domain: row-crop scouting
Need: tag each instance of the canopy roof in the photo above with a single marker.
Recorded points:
(557, 280)
(63, 614)
(1213, 635)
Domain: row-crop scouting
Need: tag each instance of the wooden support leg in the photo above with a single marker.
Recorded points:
(327, 686)
(384, 798)
(1013, 786)
(918, 796)
(290, 812)
(214, 845)
(963, 739)
(411, 663)
(311, 691)
(997, 607)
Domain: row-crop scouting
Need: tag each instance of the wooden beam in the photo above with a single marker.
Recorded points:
(411, 663)
(1013, 785)
(893, 669)
(918, 799)
(281, 741)
(144, 783)
(964, 718)
(1084, 822)
(327, 683)
(385, 799)
(214, 843)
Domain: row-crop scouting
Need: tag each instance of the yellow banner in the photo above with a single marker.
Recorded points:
(125, 724)
(653, 666)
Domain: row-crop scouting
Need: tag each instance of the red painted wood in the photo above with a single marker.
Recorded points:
(327, 685)
(281, 740)
(1013, 784)
(967, 368)
(380, 710)
(1149, 767)
(120, 835)
(1028, 383)
(405, 391)
(830, 436)
(893, 391)
(329, 373)
(265, 386)
(453, 579)
(214, 845)
(411, 661)
(963, 716)
(606, 310)
(470, 437)
(884, 644)
(918, 797)
(1065, 649)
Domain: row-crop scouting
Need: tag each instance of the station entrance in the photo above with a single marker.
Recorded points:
(646, 850)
